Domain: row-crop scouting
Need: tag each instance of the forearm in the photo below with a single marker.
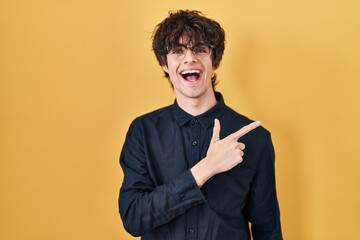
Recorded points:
(143, 209)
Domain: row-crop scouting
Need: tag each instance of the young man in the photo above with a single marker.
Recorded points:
(187, 173)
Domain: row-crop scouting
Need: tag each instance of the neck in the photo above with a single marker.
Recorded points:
(196, 106)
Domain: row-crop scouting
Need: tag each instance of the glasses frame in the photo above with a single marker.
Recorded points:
(181, 56)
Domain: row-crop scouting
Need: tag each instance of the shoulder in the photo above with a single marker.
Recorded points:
(153, 117)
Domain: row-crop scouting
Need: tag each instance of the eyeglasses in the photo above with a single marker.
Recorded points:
(200, 51)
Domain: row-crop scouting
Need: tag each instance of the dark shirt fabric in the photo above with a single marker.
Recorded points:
(159, 198)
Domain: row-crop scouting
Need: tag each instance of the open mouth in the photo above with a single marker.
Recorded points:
(191, 75)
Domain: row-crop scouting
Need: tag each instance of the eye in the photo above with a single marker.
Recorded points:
(177, 50)
(201, 49)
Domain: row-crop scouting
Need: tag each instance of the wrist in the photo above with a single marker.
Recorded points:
(202, 172)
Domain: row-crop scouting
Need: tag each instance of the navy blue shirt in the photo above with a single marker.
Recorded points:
(159, 198)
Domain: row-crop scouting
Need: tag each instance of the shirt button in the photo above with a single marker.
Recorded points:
(192, 230)
(195, 120)
(194, 143)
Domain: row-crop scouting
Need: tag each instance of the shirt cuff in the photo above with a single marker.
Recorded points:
(189, 191)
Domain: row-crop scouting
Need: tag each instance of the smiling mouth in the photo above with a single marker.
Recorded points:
(191, 75)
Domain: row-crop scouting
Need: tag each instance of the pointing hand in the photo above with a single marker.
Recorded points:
(223, 154)
(226, 153)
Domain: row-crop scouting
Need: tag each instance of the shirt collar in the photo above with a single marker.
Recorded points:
(206, 119)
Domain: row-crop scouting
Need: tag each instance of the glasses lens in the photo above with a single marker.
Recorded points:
(201, 51)
(177, 51)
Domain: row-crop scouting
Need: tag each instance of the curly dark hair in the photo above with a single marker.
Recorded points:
(196, 28)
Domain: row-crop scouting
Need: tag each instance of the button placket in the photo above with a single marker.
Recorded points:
(192, 213)
(194, 139)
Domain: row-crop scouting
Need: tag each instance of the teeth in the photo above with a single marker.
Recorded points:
(190, 71)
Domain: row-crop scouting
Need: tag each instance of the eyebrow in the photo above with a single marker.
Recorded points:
(188, 46)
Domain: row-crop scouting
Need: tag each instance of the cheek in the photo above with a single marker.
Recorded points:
(210, 70)
(170, 68)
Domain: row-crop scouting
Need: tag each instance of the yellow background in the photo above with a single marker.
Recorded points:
(73, 74)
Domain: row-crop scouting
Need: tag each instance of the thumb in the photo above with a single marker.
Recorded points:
(216, 131)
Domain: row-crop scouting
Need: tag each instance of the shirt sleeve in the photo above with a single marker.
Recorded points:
(142, 205)
(263, 207)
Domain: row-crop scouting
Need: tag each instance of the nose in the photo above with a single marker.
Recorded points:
(189, 56)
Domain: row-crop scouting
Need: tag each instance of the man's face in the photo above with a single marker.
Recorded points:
(190, 70)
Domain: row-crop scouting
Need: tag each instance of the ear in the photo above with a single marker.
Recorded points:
(165, 68)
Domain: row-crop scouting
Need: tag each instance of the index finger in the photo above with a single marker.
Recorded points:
(244, 130)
